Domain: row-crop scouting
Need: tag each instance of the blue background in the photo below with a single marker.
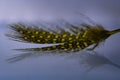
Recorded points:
(105, 12)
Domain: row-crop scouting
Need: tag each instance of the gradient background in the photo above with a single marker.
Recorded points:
(105, 12)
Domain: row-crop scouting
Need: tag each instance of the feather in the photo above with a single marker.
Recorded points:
(39, 35)
(80, 38)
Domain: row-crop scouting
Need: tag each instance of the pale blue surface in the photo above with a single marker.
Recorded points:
(104, 12)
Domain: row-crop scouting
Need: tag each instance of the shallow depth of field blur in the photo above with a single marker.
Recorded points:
(104, 12)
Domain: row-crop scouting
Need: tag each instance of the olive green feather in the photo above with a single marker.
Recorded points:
(78, 39)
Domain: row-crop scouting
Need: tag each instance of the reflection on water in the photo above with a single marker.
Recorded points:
(90, 60)
(95, 60)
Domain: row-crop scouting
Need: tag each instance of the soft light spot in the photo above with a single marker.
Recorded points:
(77, 43)
(33, 36)
(85, 34)
(25, 38)
(26, 27)
(77, 37)
(41, 36)
(65, 49)
(70, 44)
(78, 33)
(46, 39)
(72, 50)
(64, 35)
(62, 47)
(70, 38)
(54, 39)
(92, 41)
(21, 32)
(43, 32)
(63, 40)
(79, 47)
(59, 31)
(71, 34)
(36, 32)
(28, 32)
(85, 44)
(51, 32)
(48, 36)
(38, 40)
(56, 36)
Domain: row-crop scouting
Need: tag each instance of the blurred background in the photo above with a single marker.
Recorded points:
(104, 12)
